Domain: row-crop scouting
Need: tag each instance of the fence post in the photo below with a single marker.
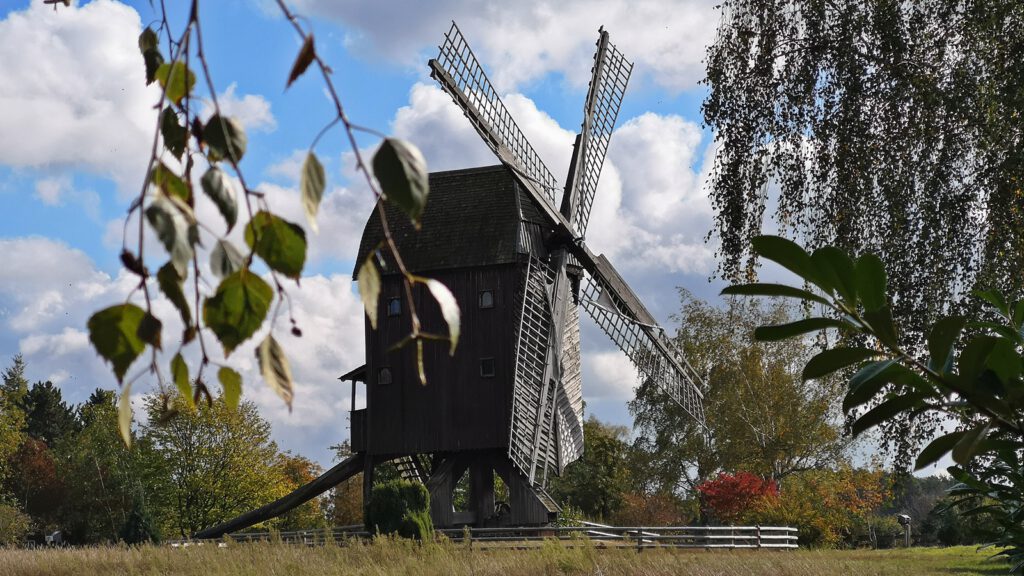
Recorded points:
(640, 540)
(757, 527)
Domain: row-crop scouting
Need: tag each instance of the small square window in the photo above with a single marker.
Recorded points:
(384, 376)
(487, 298)
(487, 367)
(394, 306)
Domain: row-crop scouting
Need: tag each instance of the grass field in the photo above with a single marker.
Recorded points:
(390, 557)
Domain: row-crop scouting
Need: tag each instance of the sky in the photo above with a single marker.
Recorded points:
(77, 122)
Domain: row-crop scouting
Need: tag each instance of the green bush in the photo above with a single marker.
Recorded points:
(139, 527)
(14, 525)
(400, 507)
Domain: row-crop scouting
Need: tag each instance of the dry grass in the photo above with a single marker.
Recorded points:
(390, 557)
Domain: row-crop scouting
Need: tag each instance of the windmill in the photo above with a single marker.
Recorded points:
(510, 401)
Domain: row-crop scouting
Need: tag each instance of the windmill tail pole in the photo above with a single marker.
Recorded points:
(343, 471)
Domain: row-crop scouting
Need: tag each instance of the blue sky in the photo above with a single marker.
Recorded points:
(77, 122)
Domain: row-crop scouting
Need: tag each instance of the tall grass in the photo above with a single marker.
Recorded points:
(387, 557)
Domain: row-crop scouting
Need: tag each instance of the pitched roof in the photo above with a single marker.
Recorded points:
(471, 219)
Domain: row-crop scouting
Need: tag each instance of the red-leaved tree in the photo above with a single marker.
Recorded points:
(728, 497)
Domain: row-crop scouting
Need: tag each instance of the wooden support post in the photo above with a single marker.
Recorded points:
(481, 489)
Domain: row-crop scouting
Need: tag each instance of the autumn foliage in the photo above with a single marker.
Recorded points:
(729, 497)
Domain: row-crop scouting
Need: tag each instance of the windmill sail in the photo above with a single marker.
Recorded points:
(457, 70)
(604, 97)
(616, 309)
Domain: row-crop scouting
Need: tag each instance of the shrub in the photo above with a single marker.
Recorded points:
(139, 527)
(14, 525)
(400, 507)
(730, 497)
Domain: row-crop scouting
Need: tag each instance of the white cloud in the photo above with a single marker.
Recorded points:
(521, 42)
(48, 290)
(58, 190)
(73, 91)
(252, 110)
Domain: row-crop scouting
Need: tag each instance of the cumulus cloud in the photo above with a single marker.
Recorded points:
(524, 41)
(252, 110)
(73, 91)
(48, 290)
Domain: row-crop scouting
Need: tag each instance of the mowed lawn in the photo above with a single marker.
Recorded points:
(388, 557)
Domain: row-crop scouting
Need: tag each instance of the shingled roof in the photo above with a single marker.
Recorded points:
(471, 219)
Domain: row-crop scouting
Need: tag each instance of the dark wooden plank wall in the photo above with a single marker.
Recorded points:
(457, 409)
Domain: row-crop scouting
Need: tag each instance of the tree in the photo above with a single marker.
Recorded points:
(104, 479)
(219, 462)
(762, 416)
(12, 416)
(971, 374)
(34, 483)
(595, 484)
(297, 471)
(47, 416)
(883, 127)
(730, 496)
(15, 385)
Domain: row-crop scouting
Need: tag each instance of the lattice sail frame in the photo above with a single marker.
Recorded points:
(459, 69)
(530, 392)
(604, 97)
(646, 347)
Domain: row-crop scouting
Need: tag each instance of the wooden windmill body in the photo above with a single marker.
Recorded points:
(509, 401)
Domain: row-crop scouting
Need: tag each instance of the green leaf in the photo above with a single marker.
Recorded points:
(218, 188)
(867, 382)
(172, 230)
(312, 184)
(835, 268)
(174, 133)
(179, 372)
(880, 321)
(1004, 361)
(783, 331)
(124, 415)
(996, 299)
(237, 309)
(169, 182)
(302, 61)
(938, 448)
(148, 40)
(225, 259)
(368, 281)
(968, 444)
(972, 359)
(871, 282)
(941, 339)
(449, 309)
(114, 332)
(231, 381)
(176, 79)
(827, 362)
(787, 254)
(281, 244)
(153, 60)
(402, 172)
(225, 138)
(776, 290)
(170, 284)
(275, 369)
(149, 330)
(885, 411)
(1018, 316)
